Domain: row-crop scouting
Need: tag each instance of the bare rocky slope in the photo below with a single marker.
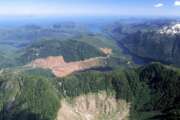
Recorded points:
(96, 106)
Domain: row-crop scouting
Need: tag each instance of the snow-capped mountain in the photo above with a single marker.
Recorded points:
(172, 29)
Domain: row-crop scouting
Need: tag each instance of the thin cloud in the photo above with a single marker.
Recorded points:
(158, 5)
(177, 3)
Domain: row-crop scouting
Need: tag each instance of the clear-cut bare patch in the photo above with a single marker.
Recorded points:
(60, 68)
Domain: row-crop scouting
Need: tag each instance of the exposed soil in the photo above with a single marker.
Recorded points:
(99, 106)
(106, 51)
(60, 68)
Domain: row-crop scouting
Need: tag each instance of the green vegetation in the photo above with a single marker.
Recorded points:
(101, 41)
(71, 50)
(5, 62)
(30, 98)
(83, 83)
(35, 94)
(145, 41)
(40, 72)
(152, 90)
(16, 43)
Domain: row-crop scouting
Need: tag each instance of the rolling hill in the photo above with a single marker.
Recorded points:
(71, 50)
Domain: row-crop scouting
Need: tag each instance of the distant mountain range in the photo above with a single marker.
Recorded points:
(85, 71)
(155, 43)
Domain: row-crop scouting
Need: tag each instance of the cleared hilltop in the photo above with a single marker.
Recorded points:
(60, 68)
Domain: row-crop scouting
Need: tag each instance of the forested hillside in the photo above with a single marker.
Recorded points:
(71, 50)
(151, 90)
(155, 46)
(101, 71)
(154, 41)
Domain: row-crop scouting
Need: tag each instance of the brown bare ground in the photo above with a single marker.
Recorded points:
(99, 106)
(106, 51)
(60, 68)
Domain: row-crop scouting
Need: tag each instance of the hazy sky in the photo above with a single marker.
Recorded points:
(90, 7)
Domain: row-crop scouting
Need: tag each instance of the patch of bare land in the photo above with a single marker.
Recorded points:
(97, 106)
(60, 68)
(106, 51)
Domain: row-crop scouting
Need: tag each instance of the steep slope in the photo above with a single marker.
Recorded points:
(164, 84)
(148, 92)
(171, 30)
(24, 97)
(98, 106)
(90, 97)
(150, 43)
(154, 46)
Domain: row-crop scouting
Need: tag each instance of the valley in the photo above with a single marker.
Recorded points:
(126, 69)
(148, 43)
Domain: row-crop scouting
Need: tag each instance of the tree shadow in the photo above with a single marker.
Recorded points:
(20, 115)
